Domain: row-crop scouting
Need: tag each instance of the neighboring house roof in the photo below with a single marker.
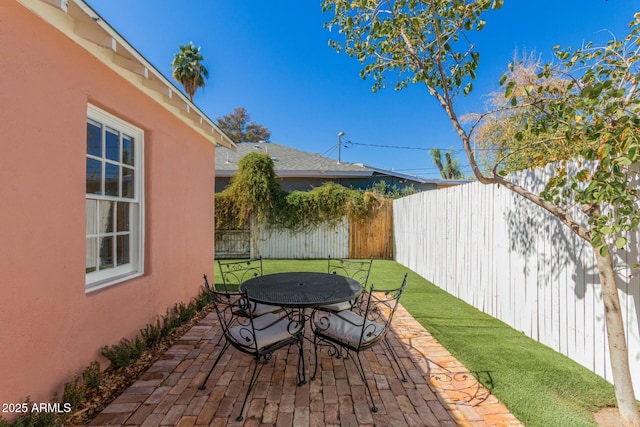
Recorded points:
(289, 163)
(78, 21)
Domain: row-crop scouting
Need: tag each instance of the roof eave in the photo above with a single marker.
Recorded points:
(79, 22)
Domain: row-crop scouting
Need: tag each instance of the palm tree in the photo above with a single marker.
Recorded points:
(188, 70)
(452, 169)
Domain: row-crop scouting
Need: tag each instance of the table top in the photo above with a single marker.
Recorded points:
(301, 289)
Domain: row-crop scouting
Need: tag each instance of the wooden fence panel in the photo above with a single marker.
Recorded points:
(373, 237)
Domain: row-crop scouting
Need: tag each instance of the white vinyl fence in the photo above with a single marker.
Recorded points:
(319, 242)
(514, 261)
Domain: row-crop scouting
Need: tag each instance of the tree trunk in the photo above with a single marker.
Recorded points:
(617, 343)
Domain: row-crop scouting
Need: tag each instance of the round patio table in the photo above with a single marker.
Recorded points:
(298, 291)
(301, 289)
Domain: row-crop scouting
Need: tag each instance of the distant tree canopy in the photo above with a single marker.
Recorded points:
(188, 69)
(510, 139)
(238, 127)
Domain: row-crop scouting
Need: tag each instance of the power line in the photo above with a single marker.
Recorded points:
(329, 151)
(390, 146)
(461, 150)
(430, 169)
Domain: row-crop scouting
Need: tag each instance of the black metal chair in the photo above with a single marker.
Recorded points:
(359, 329)
(236, 272)
(253, 335)
(356, 269)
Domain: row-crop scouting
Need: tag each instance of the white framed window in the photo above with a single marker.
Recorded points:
(114, 200)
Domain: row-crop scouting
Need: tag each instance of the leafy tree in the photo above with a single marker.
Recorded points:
(254, 190)
(188, 69)
(426, 42)
(392, 191)
(506, 139)
(452, 168)
(238, 127)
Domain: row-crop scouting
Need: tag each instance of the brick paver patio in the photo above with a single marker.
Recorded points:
(440, 390)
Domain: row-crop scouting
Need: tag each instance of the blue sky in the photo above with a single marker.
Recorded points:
(272, 58)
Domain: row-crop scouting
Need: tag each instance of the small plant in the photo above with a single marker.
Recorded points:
(74, 392)
(92, 375)
(38, 419)
(202, 300)
(152, 334)
(185, 312)
(118, 355)
(169, 322)
(125, 352)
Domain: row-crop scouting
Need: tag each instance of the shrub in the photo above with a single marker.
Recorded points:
(74, 392)
(185, 312)
(202, 300)
(125, 352)
(92, 375)
(152, 334)
(168, 321)
(38, 419)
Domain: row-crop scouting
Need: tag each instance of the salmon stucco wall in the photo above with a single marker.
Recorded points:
(50, 328)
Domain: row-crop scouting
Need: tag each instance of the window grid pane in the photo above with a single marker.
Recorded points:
(92, 255)
(111, 180)
(112, 145)
(94, 138)
(106, 252)
(92, 214)
(106, 219)
(123, 218)
(128, 150)
(128, 183)
(122, 250)
(94, 176)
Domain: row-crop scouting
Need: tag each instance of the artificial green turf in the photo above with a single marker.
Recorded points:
(539, 386)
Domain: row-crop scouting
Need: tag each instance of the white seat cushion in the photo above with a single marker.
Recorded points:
(346, 326)
(338, 306)
(266, 331)
(261, 322)
(258, 309)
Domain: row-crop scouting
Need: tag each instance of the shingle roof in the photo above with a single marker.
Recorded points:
(287, 162)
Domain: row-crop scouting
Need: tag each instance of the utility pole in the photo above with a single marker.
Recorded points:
(340, 135)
